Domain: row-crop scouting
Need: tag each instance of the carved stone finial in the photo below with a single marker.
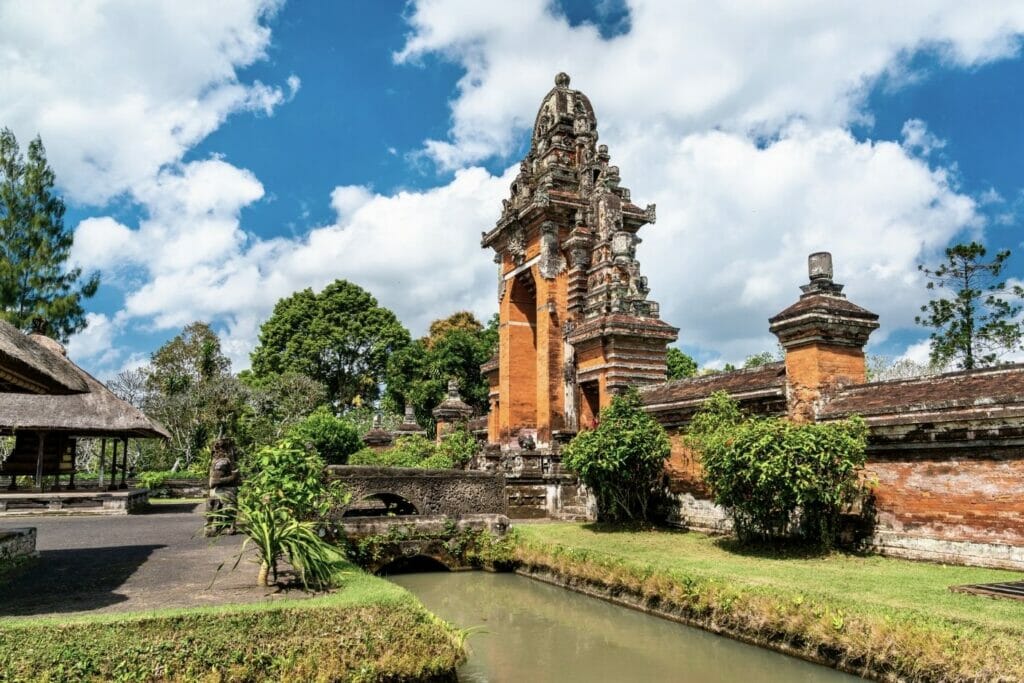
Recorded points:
(562, 80)
(453, 388)
(819, 266)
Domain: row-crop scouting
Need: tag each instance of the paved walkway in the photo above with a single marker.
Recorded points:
(127, 563)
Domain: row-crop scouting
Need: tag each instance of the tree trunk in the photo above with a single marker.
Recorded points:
(261, 579)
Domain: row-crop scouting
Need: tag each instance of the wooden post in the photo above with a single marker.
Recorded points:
(124, 463)
(113, 466)
(103, 461)
(39, 462)
(74, 464)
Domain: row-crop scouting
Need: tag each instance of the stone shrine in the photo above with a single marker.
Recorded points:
(576, 325)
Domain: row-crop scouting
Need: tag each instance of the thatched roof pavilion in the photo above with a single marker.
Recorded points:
(46, 402)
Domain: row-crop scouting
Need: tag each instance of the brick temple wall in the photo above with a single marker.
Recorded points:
(947, 491)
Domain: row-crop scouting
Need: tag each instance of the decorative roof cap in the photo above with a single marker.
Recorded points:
(452, 408)
(377, 436)
(409, 424)
(823, 313)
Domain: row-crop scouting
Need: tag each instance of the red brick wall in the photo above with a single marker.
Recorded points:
(980, 500)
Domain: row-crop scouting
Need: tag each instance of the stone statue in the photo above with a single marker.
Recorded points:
(526, 441)
(225, 479)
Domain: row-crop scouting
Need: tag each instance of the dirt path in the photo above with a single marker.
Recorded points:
(130, 563)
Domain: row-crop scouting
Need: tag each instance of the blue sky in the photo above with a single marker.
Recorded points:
(218, 156)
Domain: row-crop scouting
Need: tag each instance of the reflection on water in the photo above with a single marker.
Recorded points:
(530, 631)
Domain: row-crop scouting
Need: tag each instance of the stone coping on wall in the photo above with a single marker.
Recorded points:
(16, 544)
(405, 472)
(766, 380)
(911, 547)
(988, 392)
(94, 502)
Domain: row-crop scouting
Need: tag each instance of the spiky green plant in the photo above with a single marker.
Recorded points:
(276, 535)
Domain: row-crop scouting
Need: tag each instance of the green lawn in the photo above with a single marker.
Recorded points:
(859, 582)
(368, 629)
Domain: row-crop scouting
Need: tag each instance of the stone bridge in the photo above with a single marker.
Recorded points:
(413, 491)
(419, 542)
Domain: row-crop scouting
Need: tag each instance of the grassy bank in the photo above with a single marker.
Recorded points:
(886, 617)
(367, 630)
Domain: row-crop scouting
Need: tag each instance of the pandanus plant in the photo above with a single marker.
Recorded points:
(276, 535)
(280, 509)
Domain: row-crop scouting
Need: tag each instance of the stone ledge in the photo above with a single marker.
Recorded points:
(94, 502)
(994, 555)
(16, 544)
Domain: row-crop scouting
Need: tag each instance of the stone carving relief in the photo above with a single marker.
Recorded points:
(501, 278)
(551, 260)
(517, 245)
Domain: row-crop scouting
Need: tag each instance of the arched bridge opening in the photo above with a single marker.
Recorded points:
(413, 565)
(383, 504)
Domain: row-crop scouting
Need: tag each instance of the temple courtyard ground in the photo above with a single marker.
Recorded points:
(140, 597)
(98, 564)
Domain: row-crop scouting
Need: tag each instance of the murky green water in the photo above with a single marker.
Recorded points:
(530, 631)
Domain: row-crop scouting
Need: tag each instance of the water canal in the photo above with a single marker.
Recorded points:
(525, 630)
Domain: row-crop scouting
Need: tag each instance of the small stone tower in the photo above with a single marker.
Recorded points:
(824, 336)
(575, 322)
(451, 411)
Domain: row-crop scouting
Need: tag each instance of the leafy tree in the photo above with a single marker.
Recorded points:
(275, 403)
(130, 386)
(622, 461)
(332, 437)
(760, 359)
(340, 337)
(766, 470)
(462, 320)
(975, 318)
(191, 391)
(455, 347)
(680, 365)
(35, 284)
(881, 368)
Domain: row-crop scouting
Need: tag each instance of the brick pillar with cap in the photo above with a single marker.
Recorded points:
(823, 334)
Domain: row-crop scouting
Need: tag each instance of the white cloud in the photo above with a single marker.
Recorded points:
(736, 222)
(732, 119)
(917, 138)
(417, 252)
(96, 341)
(691, 65)
(118, 89)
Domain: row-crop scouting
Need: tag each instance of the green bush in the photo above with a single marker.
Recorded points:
(413, 451)
(410, 451)
(459, 446)
(290, 477)
(334, 438)
(366, 457)
(437, 461)
(622, 461)
(778, 478)
(154, 481)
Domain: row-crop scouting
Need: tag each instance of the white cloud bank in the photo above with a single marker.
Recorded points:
(731, 116)
(120, 88)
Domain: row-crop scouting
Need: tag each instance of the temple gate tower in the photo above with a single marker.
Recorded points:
(576, 324)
